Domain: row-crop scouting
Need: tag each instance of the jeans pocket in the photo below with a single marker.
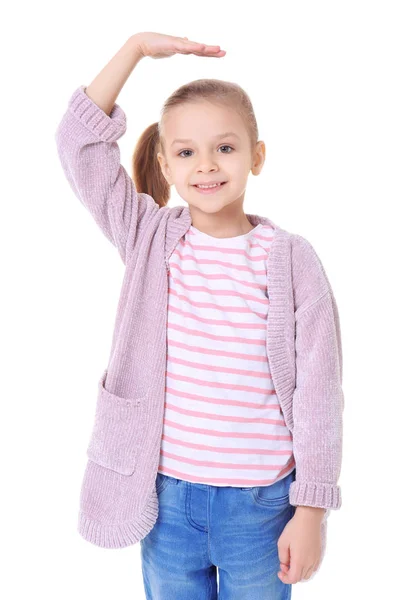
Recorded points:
(118, 430)
(274, 495)
(161, 483)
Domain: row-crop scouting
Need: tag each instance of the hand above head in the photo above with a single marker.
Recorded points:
(158, 45)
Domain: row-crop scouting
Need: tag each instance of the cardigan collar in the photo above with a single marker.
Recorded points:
(180, 221)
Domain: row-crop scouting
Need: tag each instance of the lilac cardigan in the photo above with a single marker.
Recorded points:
(118, 502)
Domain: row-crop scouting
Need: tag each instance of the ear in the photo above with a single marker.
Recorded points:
(164, 167)
(258, 157)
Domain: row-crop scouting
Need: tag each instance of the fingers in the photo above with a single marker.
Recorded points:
(309, 572)
(288, 575)
(200, 49)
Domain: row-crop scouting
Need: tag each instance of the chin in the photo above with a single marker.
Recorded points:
(211, 209)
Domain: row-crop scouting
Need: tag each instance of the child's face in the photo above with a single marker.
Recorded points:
(207, 158)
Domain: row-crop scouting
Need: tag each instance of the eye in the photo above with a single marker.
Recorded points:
(180, 153)
(223, 146)
(226, 146)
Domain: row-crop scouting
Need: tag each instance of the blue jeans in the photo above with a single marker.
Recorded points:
(204, 530)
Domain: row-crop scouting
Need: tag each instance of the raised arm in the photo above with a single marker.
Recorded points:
(87, 146)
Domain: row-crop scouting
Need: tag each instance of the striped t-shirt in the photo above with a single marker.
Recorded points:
(223, 424)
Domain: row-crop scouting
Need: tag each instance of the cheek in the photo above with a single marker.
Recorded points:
(237, 170)
(234, 164)
(181, 170)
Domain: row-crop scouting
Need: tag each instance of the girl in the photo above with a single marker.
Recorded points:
(218, 428)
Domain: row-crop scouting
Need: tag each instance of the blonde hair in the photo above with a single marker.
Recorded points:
(147, 174)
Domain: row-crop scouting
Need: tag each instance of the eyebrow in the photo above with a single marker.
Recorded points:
(216, 137)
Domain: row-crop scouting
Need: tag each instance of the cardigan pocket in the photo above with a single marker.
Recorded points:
(118, 430)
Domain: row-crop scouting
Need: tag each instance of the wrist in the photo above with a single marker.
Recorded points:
(134, 43)
(310, 511)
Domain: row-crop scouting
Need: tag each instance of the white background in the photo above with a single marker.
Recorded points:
(321, 78)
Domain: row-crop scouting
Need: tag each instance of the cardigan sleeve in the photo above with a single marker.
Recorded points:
(318, 400)
(86, 139)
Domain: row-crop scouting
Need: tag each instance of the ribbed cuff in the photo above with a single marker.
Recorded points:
(320, 495)
(106, 127)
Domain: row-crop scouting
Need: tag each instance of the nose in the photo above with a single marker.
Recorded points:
(207, 164)
(207, 167)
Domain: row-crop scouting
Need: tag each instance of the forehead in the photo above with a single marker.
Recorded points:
(201, 121)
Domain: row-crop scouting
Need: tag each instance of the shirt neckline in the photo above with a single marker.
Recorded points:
(223, 241)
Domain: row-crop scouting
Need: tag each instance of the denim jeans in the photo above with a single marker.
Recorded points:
(216, 543)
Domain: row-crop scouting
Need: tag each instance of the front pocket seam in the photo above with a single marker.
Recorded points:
(270, 501)
(162, 485)
(117, 432)
(118, 399)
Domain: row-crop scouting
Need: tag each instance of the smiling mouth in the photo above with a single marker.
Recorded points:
(210, 186)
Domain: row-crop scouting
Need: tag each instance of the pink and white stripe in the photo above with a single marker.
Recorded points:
(223, 424)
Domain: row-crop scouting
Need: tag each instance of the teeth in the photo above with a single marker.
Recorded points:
(209, 186)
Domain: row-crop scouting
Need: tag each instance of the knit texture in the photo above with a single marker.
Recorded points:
(118, 502)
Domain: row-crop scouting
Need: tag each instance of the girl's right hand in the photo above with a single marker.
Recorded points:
(158, 45)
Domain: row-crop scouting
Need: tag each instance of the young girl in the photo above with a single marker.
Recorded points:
(218, 428)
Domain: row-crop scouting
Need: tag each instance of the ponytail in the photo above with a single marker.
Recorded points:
(147, 175)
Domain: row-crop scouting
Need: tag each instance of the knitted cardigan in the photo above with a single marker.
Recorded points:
(118, 500)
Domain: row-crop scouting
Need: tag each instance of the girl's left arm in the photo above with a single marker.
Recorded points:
(318, 399)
